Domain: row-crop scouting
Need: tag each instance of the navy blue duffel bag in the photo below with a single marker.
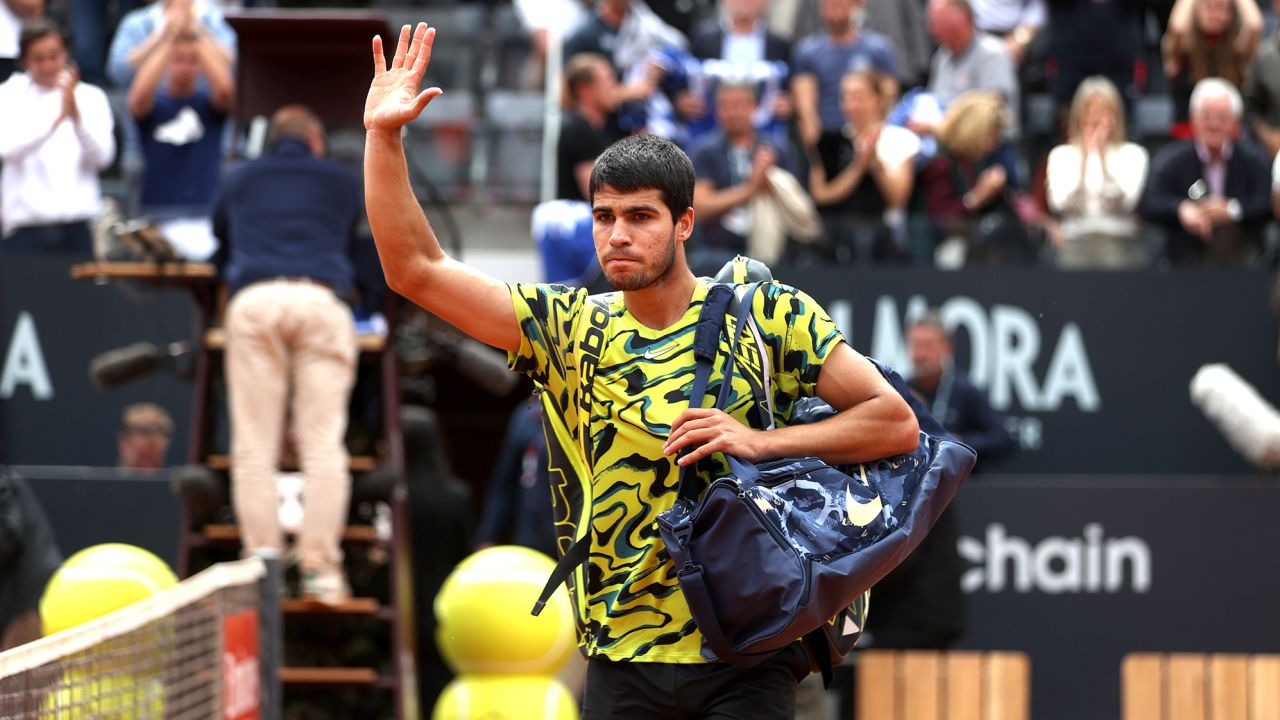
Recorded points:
(786, 549)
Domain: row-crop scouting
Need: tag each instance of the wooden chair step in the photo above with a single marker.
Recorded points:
(928, 685)
(357, 463)
(230, 533)
(216, 339)
(1194, 686)
(352, 606)
(329, 676)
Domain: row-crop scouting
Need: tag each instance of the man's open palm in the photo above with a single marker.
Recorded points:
(394, 99)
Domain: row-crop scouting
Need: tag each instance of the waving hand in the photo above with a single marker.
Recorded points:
(394, 99)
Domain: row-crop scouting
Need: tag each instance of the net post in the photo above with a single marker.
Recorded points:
(271, 638)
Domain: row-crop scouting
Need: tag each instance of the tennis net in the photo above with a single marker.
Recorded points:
(198, 650)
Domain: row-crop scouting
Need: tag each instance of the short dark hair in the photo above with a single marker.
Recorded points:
(646, 162)
(36, 30)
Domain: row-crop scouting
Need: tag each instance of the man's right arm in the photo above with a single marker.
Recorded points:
(413, 261)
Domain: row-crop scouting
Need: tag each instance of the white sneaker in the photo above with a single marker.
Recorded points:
(325, 585)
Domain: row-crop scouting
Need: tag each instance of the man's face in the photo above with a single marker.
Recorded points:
(1214, 16)
(45, 60)
(837, 14)
(1214, 123)
(603, 92)
(929, 348)
(143, 446)
(945, 22)
(635, 236)
(734, 108)
(185, 66)
(745, 9)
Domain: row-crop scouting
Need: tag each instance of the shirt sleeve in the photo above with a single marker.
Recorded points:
(1062, 176)
(548, 317)
(802, 60)
(886, 60)
(21, 132)
(1130, 173)
(95, 127)
(801, 336)
(133, 29)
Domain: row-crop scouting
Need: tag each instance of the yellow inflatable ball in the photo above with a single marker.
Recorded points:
(483, 619)
(505, 697)
(99, 580)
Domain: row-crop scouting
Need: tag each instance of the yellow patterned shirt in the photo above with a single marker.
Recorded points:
(611, 389)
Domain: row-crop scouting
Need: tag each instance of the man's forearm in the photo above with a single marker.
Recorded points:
(400, 229)
(879, 427)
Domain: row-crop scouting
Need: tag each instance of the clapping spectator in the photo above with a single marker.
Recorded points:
(1095, 181)
(862, 175)
(55, 136)
(967, 185)
(625, 32)
(141, 33)
(12, 15)
(1208, 38)
(822, 60)
(732, 169)
(1212, 194)
(180, 123)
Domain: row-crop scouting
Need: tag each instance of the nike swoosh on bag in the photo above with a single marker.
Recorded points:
(861, 514)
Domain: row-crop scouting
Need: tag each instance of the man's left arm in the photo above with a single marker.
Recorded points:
(873, 422)
(215, 61)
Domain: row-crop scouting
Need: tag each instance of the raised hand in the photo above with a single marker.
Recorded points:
(394, 99)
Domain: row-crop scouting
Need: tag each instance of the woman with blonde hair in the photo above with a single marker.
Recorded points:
(1207, 38)
(1094, 183)
(967, 185)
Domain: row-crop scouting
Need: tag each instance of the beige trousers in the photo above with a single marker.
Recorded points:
(290, 339)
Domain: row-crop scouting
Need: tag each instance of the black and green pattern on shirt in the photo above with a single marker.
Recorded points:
(612, 387)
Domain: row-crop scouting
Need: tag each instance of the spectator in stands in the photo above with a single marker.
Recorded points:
(12, 14)
(625, 32)
(591, 93)
(1212, 194)
(967, 185)
(821, 61)
(540, 18)
(93, 23)
(28, 558)
(1208, 38)
(1094, 37)
(967, 59)
(862, 175)
(950, 396)
(1016, 22)
(740, 37)
(142, 31)
(1262, 93)
(517, 506)
(731, 168)
(180, 124)
(55, 136)
(1094, 182)
(287, 223)
(921, 605)
(143, 443)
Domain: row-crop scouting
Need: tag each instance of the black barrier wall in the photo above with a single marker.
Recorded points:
(1092, 368)
(50, 328)
(1078, 572)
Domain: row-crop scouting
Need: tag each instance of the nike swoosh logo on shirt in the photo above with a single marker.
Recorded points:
(655, 353)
